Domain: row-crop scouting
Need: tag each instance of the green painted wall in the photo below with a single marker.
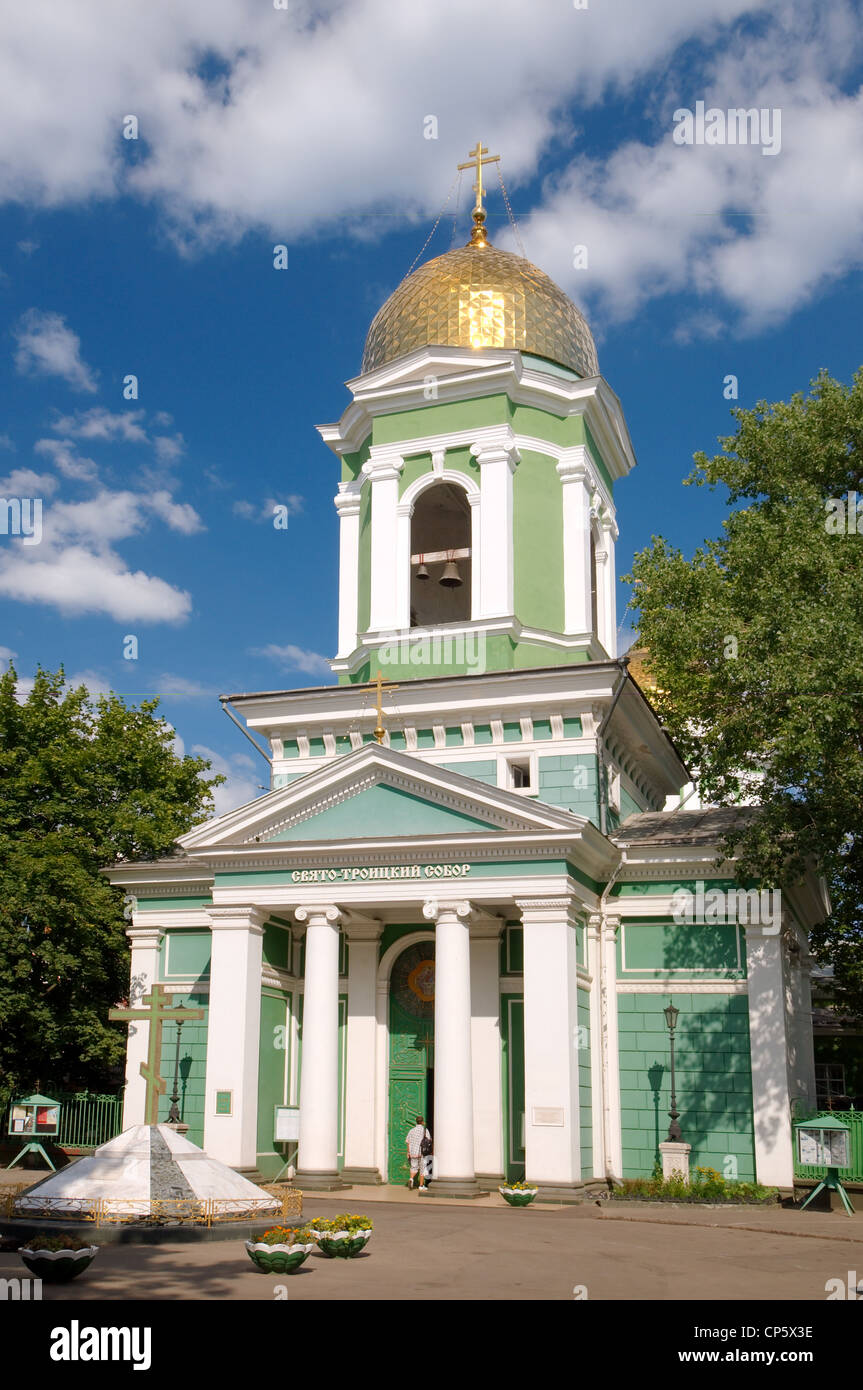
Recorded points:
(484, 771)
(277, 946)
(437, 418)
(538, 543)
(193, 1065)
(713, 1080)
(457, 461)
(273, 1065)
(585, 1083)
(512, 1066)
(661, 948)
(570, 780)
(185, 955)
(380, 810)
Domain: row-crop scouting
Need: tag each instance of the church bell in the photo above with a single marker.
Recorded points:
(422, 572)
(451, 579)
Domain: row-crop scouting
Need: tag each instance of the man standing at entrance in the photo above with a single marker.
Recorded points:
(416, 1139)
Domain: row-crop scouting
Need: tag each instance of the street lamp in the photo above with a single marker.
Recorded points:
(671, 1017)
(174, 1112)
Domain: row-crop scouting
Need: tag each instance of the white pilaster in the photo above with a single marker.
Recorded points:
(594, 954)
(607, 597)
(348, 508)
(768, 1044)
(360, 1157)
(575, 480)
(233, 1033)
(497, 461)
(453, 1073)
(486, 1046)
(552, 1131)
(609, 928)
(384, 474)
(319, 1079)
(145, 942)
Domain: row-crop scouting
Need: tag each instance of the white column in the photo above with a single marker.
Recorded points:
(360, 1157)
(607, 599)
(597, 1073)
(319, 1079)
(348, 508)
(475, 557)
(605, 641)
(384, 474)
(497, 462)
(575, 480)
(801, 1050)
(403, 565)
(768, 1043)
(486, 1047)
(143, 972)
(455, 1174)
(610, 1045)
(552, 1130)
(233, 1033)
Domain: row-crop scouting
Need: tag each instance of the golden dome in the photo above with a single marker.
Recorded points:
(480, 297)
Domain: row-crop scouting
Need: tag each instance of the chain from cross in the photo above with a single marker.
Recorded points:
(159, 1012)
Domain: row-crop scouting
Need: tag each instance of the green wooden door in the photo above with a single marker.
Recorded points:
(411, 1050)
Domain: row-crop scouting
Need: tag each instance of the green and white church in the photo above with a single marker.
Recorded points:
(457, 899)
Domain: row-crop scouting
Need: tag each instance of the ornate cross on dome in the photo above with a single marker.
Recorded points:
(478, 157)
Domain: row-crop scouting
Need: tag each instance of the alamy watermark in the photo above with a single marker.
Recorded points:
(738, 125)
(21, 516)
(463, 650)
(719, 906)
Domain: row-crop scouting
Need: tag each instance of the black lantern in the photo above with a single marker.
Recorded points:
(671, 1017)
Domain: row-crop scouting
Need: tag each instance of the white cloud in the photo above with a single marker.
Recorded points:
(180, 516)
(169, 448)
(292, 658)
(265, 511)
(77, 581)
(24, 482)
(67, 460)
(7, 655)
(181, 688)
(95, 682)
(99, 423)
(246, 779)
(48, 347)
(27, 247)
(6, 442)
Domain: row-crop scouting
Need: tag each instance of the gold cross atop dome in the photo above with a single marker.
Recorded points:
(478, 157)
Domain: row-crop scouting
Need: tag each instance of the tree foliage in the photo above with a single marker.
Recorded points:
(757, 645)
(83, 783)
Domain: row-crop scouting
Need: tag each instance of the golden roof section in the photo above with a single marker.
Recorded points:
(480, 297)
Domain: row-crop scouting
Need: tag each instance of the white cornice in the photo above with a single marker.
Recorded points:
(460, 376)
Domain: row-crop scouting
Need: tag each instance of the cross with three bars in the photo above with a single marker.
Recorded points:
(159, 1012)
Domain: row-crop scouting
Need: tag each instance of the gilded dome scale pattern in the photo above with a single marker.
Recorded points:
(480, 297)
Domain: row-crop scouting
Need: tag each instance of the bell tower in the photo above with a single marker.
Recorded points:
(479, 459)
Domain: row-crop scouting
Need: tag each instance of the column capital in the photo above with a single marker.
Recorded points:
(550, 909)
(237, 918)
(347, 503)
(142, 938)
(384, 467)
(359, 928)
(497, 451)
(434, 909)
(573, 466)
(319, 915)
(485, 927)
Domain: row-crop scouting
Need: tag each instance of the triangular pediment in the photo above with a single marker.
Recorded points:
(377, 792)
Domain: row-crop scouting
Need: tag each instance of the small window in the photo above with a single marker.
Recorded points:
(519, 777)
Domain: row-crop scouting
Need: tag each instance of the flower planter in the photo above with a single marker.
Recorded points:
(277, 1259)
(58, 1266)
(341, 1245)
(518, 1196)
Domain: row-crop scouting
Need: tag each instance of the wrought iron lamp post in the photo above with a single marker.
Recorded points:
(674, 1134)
(174, 1112)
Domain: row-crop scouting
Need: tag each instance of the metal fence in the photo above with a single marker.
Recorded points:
(105, 1211)
(854, 1172)
(88, 1119)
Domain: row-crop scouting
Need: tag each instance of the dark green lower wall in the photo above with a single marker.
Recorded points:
(193, 1066)
(273, 1066)
(713, 1081)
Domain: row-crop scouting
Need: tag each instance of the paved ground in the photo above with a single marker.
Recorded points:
(437, 1250)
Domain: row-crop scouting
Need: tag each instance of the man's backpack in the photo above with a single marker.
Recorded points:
(426, 1145)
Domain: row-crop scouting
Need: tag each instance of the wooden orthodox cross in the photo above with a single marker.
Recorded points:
(159, 1012)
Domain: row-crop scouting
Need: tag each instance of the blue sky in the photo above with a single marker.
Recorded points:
(307, 127)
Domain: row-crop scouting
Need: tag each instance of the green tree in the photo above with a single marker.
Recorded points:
(83, 783)
(756, 644)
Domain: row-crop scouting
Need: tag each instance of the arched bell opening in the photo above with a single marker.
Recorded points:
(441, 576)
